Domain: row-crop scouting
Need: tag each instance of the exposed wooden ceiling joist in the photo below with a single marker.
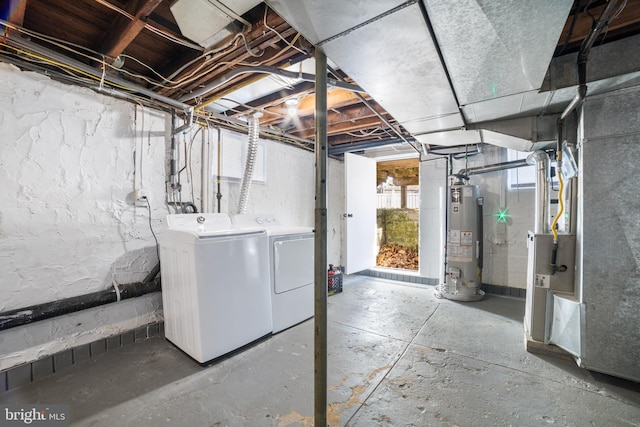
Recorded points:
(124, 30)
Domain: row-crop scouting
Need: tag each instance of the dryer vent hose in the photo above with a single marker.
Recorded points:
(252, 151)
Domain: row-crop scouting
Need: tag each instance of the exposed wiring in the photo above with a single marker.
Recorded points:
(151, 228)
(290, 44)
(249, 50)
(211, 58)
(231, 44)
(282, 81)
(61, 65)
(619, 11)
(166, 82)
(363, 134)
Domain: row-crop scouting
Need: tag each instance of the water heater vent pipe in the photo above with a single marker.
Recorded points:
(543, 180)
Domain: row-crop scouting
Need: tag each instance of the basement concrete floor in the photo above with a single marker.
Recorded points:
(397, 357)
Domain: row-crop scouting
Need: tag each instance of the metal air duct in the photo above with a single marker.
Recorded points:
(543, 181)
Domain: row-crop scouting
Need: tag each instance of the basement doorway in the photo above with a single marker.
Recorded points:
(398, 214)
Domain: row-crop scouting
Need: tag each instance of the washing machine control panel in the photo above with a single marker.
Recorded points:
(250, 220)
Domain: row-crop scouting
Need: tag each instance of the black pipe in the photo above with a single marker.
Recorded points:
(480, 235)
(152, 274)
(22, 316)
(185, 205)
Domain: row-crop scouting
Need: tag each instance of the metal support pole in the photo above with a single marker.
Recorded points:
(320, 250)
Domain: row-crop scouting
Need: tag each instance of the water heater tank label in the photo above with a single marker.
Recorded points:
(467, 191)
(460, 253)
(466, 238)
(453, 237)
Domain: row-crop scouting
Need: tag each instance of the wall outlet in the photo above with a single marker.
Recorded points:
(141, 198)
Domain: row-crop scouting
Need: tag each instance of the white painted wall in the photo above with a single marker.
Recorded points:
(433, 177)
(289, 190)
(68, 224)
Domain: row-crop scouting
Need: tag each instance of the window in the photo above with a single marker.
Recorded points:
(522, 177)
(525, 176)
(233, 153)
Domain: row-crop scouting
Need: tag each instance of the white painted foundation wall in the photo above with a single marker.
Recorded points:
(68, 224)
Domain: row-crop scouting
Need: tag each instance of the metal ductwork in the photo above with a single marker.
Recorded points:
(493, 168)
(543, 182)
(450, 78)
(209, 22)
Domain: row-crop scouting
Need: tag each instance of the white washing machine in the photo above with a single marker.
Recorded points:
(291, 268)
(214, 293)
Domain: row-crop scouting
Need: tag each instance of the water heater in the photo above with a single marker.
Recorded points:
(463, 256)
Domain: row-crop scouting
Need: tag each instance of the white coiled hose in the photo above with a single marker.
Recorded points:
(252, 151)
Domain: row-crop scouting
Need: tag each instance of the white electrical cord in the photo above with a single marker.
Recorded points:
(117, 288)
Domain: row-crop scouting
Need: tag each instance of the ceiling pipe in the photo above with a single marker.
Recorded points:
(350, 148)
(265, 69)
(97, 73)
(583, 56)
(543, 181)
(493, 168)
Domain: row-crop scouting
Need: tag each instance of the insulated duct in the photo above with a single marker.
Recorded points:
(252, 152)
(22, 316)
(543, 181)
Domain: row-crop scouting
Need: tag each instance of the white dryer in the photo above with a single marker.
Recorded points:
(291, 268)
(214, 293)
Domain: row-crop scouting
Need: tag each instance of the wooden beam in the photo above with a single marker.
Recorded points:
(584, 21)
(398, 164)
(124, 30)
(350, 126)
